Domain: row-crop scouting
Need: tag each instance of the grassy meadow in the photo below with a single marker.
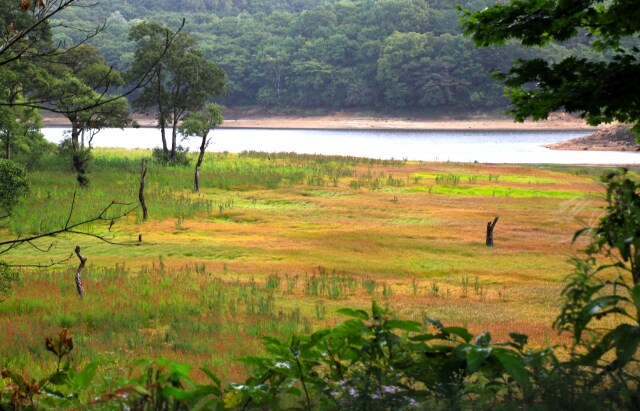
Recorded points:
(275, 243)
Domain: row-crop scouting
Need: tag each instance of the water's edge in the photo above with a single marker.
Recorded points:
(512, 147)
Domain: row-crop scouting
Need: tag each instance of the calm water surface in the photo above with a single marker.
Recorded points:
(458, 146)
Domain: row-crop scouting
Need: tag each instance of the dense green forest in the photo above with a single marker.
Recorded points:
(402, 55)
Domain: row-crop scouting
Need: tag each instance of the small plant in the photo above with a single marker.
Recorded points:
(312, 286)
(321, 310)
(448, 180)
(386, 290)
(179, 222)
(435, 289)
(273, 282)
(292, 283)
(415, 285)
(465, 286)
(8, 279)
(164, 158)
(369, 285)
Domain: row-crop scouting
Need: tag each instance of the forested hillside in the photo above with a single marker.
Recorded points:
(324, 54)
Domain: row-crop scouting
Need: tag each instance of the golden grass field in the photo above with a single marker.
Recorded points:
(276, 244)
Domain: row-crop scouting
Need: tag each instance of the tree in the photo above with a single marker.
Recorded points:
(199, 124)
(183, 81)
(82, 75)
(402, 66)
(600, 91)
(18, 125)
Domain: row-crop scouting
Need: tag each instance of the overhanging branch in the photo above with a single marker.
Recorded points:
(75, 228)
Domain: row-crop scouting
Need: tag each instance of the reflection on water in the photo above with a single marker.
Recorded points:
(458, 146)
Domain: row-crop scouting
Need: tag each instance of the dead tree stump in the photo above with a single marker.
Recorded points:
(490, 227)
(83, 260)
(143, 174)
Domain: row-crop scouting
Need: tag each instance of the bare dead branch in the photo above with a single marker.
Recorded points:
(42, 250)
(51, 9)
(53, 263)
(45, 14)
(74, 228)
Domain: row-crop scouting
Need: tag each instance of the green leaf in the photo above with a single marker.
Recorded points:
(435, 322)
(211, 376)
(413, 326)
(626, 338)
(520, 340)
(316, 337)
(54, 393)
(513, 365)
(476, 356)
(579, 233)
(376, 310)
(84, 377)
(177, 393)
(483, 339)
(598, 307)
(424, 337)
(179, 370)
(141, 390)
(59, 378)
(635, 296)
(349, 328)
(459, 332)
(360, 314)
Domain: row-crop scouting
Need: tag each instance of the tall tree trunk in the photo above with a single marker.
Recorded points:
(75, 137)
(78, 157)
(162, 118)
(196, 177)
(174, 136)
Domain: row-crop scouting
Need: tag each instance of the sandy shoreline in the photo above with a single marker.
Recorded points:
(340, 121)
(344, 121)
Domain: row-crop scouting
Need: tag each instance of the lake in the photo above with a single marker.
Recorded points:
(457, 146)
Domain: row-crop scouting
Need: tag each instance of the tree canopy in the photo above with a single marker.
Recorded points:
(183, 81)
(601, 89)
(329, 55)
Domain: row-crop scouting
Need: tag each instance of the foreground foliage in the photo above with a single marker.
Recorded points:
(374, 360)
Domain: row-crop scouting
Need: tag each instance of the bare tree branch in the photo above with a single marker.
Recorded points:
(10, 52)
(50, 10)
(53, 263)
(74, 228)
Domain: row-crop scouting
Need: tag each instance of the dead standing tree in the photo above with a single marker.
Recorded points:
(83, 260)
(143, 204)
(490, 227)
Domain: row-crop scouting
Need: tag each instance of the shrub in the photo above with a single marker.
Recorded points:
(8, 278)
(164, 158)
(13, 185)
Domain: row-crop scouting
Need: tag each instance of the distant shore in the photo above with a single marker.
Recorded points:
(348, 121)
(341, 121)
